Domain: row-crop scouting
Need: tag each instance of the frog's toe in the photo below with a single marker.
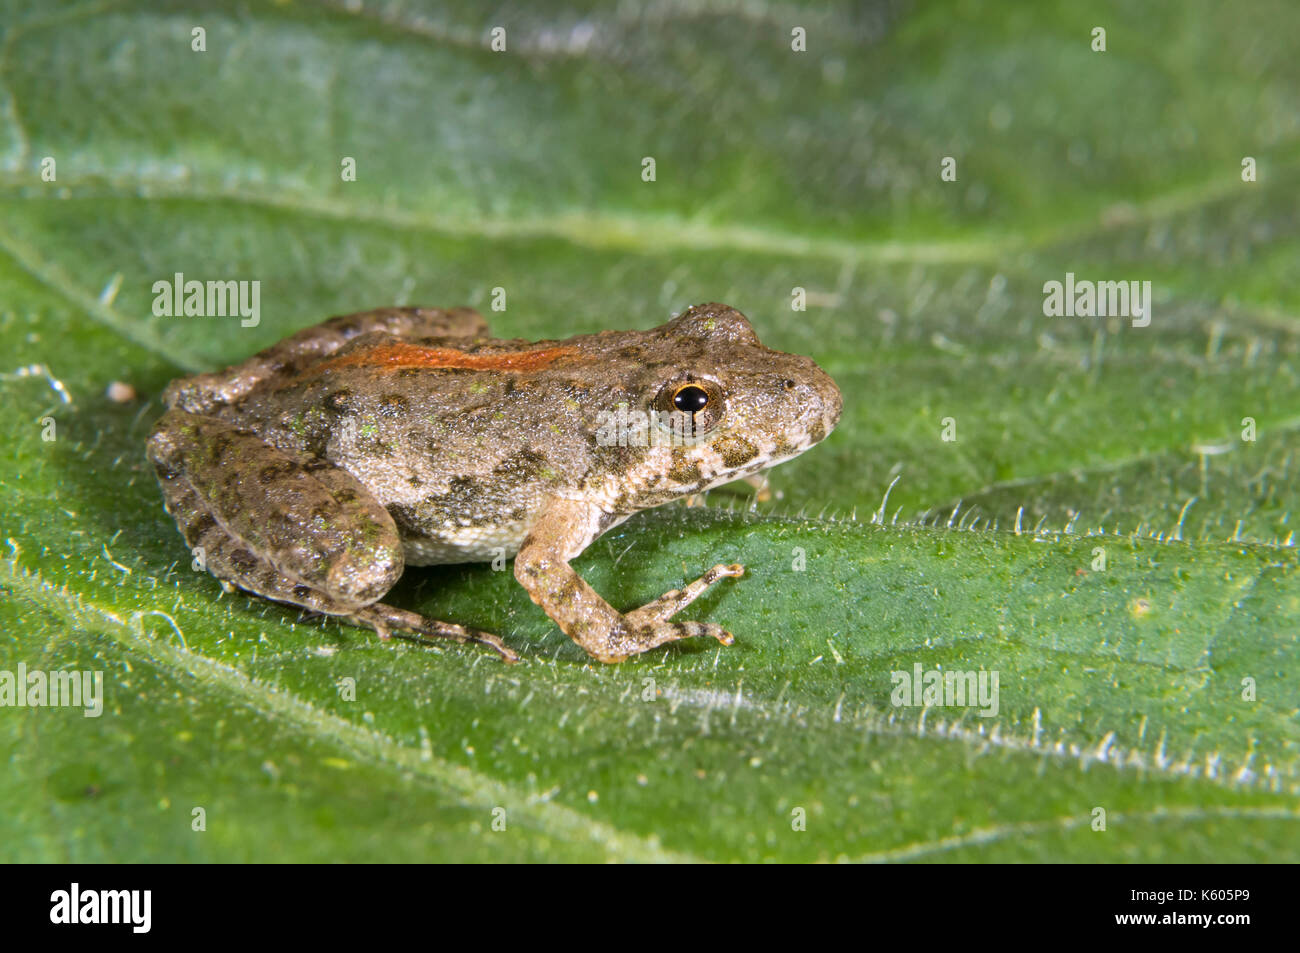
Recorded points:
(676, 631)
(414, 627)
(711, 630)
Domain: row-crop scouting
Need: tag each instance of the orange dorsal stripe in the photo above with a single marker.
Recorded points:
(392, 357)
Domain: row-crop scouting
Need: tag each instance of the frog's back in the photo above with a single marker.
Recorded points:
(462, 443)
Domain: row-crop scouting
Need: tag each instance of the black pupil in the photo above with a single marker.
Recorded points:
(690, 399)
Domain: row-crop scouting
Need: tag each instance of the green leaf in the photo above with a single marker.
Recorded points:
(1099, 533)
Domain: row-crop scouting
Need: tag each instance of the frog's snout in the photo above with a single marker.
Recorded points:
(829, 401)
(832, 401)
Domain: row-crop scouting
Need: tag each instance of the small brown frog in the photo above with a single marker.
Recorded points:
(314, 471)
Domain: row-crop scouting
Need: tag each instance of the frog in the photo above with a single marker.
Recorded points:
(314, 472)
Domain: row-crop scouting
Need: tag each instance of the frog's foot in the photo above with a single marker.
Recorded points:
(762, 490)
(621, 643)
(384, 619)
(675, 600)
(648, 627)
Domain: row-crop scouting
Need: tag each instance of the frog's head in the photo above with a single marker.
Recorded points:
(728, 406)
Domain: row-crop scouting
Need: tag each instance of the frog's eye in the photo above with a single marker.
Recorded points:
(700, 401)
(690, 399)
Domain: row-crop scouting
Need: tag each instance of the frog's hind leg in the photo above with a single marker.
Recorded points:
(300, 532)
(202, 393)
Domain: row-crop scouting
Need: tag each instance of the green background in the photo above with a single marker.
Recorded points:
(1121, 688)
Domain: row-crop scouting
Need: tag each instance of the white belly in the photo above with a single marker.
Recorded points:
(467, 544)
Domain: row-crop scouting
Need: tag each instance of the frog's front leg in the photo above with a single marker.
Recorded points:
(564, 529)
(300, 531)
